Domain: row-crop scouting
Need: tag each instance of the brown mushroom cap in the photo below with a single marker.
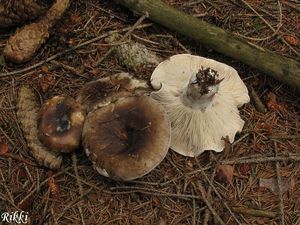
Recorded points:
(108, 89)
(127, 138)
(60, 124)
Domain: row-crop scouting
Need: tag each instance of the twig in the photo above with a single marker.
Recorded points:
(270, 26)
(72, 203)
(43, 183)
(206, 213)
(18, 158)
(266, 22)
(74, 161)
(194, 209)
(254, 212)
(211, 209)
(294, 157)
(279, 184)
(68, 68)
(11, 199)
(279, 136)
(217, 193)
(71, 49)
(260, 107)
(150, 191)
(126, 35)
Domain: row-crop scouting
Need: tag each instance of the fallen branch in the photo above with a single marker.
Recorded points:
(254, 212)
(281, 68)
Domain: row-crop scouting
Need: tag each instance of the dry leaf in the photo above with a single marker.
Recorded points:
(3, 148)
(265, 127)
(244, 169)
(46, 82)
(272, 103)
(224, 173)
(291, 39)
(52, 185)
(75, 18)
(26, 203)
(45, 69)
(271, 184)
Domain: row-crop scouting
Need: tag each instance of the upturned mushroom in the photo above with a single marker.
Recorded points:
(60, 123)
(127, 138)
(201, 97)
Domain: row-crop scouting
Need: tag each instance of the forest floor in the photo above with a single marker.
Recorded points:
(264, 156)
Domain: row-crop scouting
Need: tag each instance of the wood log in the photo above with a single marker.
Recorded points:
(284, 69)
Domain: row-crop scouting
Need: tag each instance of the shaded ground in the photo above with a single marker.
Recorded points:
(171, 194)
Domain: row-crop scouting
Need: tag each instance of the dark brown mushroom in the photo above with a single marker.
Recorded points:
(60, 124)
(108, 89)
(127, 138)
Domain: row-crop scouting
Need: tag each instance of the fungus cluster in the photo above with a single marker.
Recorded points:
(126, 133)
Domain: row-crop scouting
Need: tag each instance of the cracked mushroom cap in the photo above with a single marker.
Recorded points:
(60, 124)
(196, 128)
(108, 89)
(127, 138)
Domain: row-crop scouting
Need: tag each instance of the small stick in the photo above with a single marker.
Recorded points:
(257, 160)
(217, 193)
(126, 35)
(254, 212)
(206, 213)
(260, 107)
(74, 160)
(72, 203)
(68, 68)
(18, 158)
(278, 136)
(211, 209)
(43, 183)
(279, 184)
(11, 199)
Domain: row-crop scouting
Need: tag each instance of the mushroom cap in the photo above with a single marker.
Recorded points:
(127, 138)
(108, 89)
(176, 72)
(194, 131)
(60, 124)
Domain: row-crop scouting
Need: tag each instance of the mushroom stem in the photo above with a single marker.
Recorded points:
(193, 96)
(194, 100)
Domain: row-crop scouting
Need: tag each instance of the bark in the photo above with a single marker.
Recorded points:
(281, 68)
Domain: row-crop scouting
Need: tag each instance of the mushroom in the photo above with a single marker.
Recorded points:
(127, 138)
(60, 123)
(201, 97)
(105, 90)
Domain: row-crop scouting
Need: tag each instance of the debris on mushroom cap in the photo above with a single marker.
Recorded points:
(133, 55)
(106, 90)
(14, 12)
(206, 78)
(27, 114)
(27, 40)
(60, 124)
(199, 119)
(127, 138)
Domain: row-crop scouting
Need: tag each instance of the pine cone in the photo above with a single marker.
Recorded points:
(14, 12)
(22, 45)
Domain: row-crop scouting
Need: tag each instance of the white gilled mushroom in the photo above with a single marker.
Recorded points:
(127, 138)
(60, 124)
(106, 90)
(201, 97)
